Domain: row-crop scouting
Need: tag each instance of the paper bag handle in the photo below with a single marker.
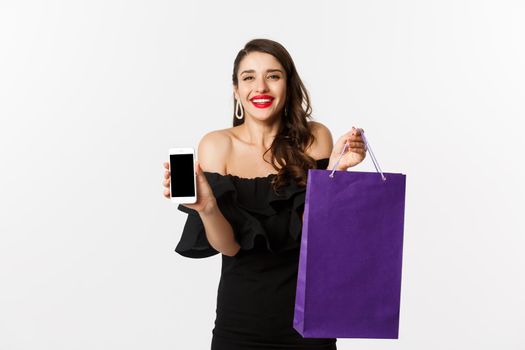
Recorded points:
(367, 148)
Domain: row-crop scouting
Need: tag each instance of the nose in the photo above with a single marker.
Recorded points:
(262, 86)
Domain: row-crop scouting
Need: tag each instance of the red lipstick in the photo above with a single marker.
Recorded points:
(262, 101)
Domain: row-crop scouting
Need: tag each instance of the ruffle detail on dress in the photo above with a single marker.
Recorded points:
(193, 242)
(291, 196)
(257, 214)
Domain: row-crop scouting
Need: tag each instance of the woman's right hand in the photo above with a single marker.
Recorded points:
(206, 201)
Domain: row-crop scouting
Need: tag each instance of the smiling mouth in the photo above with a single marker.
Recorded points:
(262, 102)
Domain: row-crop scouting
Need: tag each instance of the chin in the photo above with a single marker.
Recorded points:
(265, 115)
(262, 116)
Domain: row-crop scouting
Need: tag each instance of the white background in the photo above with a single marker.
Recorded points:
(94, 93)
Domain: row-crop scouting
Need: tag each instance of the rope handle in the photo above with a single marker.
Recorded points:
(367, 148)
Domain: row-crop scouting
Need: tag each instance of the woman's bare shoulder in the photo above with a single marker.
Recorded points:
(214, 148)
(323, 143)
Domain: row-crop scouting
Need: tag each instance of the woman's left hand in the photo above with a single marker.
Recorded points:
(355, 151)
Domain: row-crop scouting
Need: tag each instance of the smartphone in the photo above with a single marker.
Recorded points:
(183, 187)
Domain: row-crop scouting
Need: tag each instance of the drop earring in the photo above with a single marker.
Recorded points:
(239, 111)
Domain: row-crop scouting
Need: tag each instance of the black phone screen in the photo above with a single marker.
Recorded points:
(181, 168)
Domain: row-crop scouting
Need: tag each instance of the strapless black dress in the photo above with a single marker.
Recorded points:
(256, 294)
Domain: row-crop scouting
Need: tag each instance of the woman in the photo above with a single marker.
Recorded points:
(251, 182)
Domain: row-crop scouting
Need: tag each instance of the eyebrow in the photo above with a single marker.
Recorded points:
(268, 71)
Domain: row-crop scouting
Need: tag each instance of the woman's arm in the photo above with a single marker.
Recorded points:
(219, 232)
(212, 152)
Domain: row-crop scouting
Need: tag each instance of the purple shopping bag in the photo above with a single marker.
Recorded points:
(349, 280)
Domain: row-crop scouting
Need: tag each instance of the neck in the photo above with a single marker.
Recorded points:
(259, 134)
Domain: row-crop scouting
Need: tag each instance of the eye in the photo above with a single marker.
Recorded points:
(274, 76)
(246, 78)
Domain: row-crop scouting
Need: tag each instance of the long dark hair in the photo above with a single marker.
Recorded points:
(294, 136)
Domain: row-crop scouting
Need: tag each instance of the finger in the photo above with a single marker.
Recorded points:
(167, 165)
(199, 170)
(359, 151)
(166, 183)
(200, 174)
(167, 175)
(354, 144)
(360, 147)
(353, 132)
(357, 144)
(356, 137)
(166, 194)
(355, 141)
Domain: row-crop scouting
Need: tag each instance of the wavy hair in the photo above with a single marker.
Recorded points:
(288, 155)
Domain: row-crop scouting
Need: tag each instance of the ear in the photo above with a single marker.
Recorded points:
(235, 92)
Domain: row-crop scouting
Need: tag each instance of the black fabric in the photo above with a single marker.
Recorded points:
(253, 210)
(256, 294)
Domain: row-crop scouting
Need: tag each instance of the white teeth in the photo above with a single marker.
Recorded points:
(261, 100)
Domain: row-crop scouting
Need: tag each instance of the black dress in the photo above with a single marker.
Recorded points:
(256, 294)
